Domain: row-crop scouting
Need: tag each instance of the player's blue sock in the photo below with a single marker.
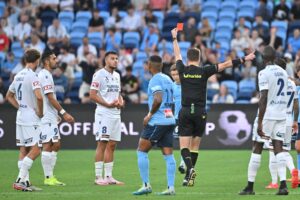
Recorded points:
(143, 163)
(171, 168)
(298, 158)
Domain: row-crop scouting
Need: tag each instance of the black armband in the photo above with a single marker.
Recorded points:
(236, 62)
(243, 58)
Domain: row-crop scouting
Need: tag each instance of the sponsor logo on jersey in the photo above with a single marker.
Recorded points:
(29, 140)
(47, 87)
(95, 84)
(35, 83)
(194, 76)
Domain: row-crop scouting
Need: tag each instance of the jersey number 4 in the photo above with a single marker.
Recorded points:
(19, 92)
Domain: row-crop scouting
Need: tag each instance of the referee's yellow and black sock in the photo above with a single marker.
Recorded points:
(186, 156)
(194, 157)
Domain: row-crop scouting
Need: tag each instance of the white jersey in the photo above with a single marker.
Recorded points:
(47, 84)
(108, 86)
(292, 95)
(274, 79)
(23, 85)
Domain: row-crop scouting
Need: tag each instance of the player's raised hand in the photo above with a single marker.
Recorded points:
(174, 32)
(250, 56)
(68, 118)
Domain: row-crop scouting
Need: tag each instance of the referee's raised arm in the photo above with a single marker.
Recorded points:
(176, 48)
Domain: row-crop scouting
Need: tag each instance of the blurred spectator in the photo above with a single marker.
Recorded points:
(294, 42)
(49, 4)
(191, 5)
(9, 63)
(85, 49)
(295, 11)
(168, 61)
(150, 39)
(223, 96)
(140, 4)
(66, 57)
(159, 4)
(289, 65)
(120, 4)
(13, 11)
(198, 42)
(132, 21)
(263, 11)
(66, 5)
(96, 23)
(241, 25)
(262, 29)
(144, 82)
(39, 29)
(112, 40)
(212, 82)
(7, 29)
(205, 30)
(255, 97)
(281, 11)
(35, 43)
(130, 86)
(255, 40)
(61, 82)
(4, 40)
(114, 19)
(149, 17)
(2, 92)
(17, 68)
(249, 71)
(238, 43)
(28, 8)
(125, 59)
(221, 52)
(274, 41)
(190, 30)
(89, 67)
(57, 33)
(83, 5)
(23, 29)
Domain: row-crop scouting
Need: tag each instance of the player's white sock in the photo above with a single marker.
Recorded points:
(108, 167)
(53, 160)
(25, 167)
(98, 169)
(281, 165)
(253, 166)
(273, 167)
(289, 161)
(46, 163)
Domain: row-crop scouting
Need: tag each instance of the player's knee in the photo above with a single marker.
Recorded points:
(23, 152)
(258, 147)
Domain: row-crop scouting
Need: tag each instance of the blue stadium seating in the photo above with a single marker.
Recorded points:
(229, 6)
(248, 13)
(224, 26)
(104, 15)
(76, 39)
(2, 58)
(265, 23)
(122, 14)
(227, 16)
(211, 16)
(211, 6)
(96, 39)
(195, 15)
(2, 8)
(160, 18)
(83, 16)
(184, 46)
(80, 26)
(141, 56)
(131, 40)
(223, 36)
(167, 47)
(138, 68)
(16, 46)
(171, 17)
(211, 93)
(66, 19)
(242, 101)
(47, 17)
(248, 5)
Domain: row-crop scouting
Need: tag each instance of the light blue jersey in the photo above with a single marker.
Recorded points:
(177, 98)
(298, 90)
(161, 83)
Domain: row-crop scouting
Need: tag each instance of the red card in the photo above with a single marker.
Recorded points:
(179, 26)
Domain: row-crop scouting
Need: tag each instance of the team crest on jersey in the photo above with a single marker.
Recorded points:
(95, 84)
(29, 140)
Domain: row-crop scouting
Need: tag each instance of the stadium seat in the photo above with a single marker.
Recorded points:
(229, 6)
(248, 14)
(104, 15)
(76, 38)
(171, 17)
(80, 26)
(47, 17)
(160, 18)
(242, 101)
(138, 68)
(184, 46)
(211, 6)
(280, 25)
(141, 56)
(2, 8)
(122, 14)
(248, 5)
(166, 46)
(83, 16)
(232, 87)
(66, 19)
(18, 54)
(211, 93)
(220, 36)
(247, 85)
(224, 26)
(2, 58)
(265, 23)
(131, 40)
(96, 39)
(166, 35)
(227, 16)
(16, 46)
(211, 16)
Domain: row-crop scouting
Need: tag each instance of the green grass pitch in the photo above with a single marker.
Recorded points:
(220, 175)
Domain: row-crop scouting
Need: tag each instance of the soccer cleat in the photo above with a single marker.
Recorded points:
(22, 186)
(52, 181)
(191, 178)
(181, 169)
(166, 192)
(247, 191)
(294, 178)
(272, 186)
(143, 190)
(100, 181)
(111, 181)
(185, 182)
(282, 191)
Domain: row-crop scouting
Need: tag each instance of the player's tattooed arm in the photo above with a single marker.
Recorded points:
(11, 98)
(262, 105)
(155, 106)
(296, 114)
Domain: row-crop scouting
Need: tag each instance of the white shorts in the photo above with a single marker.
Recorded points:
(286, 143)
(275, 129)
(28, 136)
(50, 132)
(107, 128)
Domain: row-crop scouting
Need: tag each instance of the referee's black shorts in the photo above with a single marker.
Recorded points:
(192, 124)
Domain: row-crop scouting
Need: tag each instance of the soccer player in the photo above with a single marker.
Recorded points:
(25, 94)
(271, 121)
(192, 116)
(105, 91)
(297, 144)
(50, 134)
(159, 125)
(291, 125)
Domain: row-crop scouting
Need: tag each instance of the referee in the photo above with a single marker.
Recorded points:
(192, 116)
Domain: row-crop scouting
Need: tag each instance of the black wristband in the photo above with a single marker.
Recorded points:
(236, 62)
(243, 58)
(174, 39)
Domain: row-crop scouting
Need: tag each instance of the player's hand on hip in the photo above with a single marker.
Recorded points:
(260, 131)
(295, 127)
(250, 56)
(68, 118)
(174, 32)
(147, 119)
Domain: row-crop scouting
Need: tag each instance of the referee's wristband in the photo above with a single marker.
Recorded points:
(62, 112)
(236, 62)
(174, 39)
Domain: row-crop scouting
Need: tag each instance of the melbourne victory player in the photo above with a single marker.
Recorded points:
(50, 134)
(271, 122)
(105, 91)
(297, 144)
(159, 125)
(25, 94)
(192, 116)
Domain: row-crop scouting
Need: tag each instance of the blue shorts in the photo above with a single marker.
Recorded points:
(159, 135)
